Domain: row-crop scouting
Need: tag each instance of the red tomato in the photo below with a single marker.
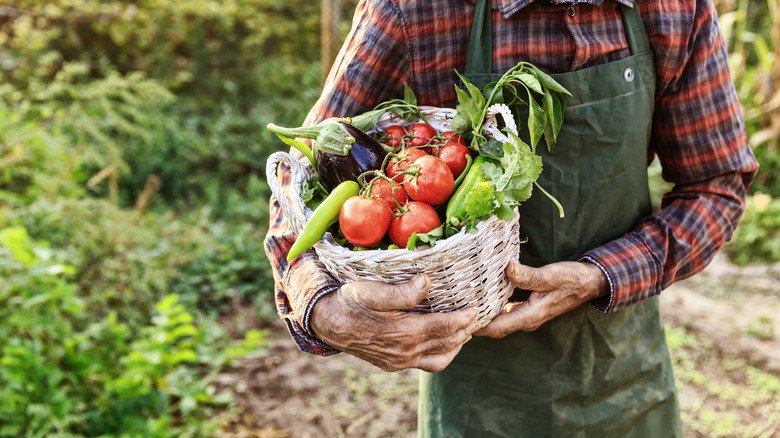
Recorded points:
(433, 183)
(364, 221)
(422, 134)
(452, 137)
(406, 157)
(418, 218)
(454, 156)
(383, 189)
(395, 135)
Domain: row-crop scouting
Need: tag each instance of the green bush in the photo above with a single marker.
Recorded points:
(203, 48)
(758, 236)
(65, 371)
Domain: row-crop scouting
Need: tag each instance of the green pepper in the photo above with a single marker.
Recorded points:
(325, 215)
(456, 206)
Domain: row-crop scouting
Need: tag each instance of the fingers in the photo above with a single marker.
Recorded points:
(433, 363)
(446, 343)
(384, 297)
(442, 325)
(525, 316)
(528, 278)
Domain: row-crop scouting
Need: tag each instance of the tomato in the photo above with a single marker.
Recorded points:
(422, 133)
(383, 189)
(433, 183)
(406, 157)
(364, 221)
(418, 218)
(454, 156)
(395, 135)
(452, 137)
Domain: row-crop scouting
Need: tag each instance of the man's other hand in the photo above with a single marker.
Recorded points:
(555, 289)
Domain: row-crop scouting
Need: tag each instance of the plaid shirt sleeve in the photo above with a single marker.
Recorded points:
(699, 137)
(371, 60)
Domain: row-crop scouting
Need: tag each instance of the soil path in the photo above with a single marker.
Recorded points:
(723, 328)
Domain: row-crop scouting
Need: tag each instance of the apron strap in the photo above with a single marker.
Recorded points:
(636, 34)
(479, 56)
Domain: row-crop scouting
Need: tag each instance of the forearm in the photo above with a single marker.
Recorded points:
(298, 284)
(694, 222)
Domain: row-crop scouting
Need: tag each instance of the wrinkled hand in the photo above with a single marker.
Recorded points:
(370, 320)
(555, 289)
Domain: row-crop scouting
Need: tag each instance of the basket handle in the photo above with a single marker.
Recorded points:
(506, 114)
(289, 197)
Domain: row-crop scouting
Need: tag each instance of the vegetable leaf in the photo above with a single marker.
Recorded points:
(313, 193)
(428, 238)
(492, 149)
(537, 119)
(531, 82)
(409, 96)
(519, 168)
(548, 81)
(301, 147)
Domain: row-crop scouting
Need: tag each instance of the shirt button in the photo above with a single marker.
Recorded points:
(572, 12)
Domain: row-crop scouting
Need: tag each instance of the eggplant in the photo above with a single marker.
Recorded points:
(364, 155)
(343, 152)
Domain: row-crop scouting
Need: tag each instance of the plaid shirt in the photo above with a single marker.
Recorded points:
(698, 132)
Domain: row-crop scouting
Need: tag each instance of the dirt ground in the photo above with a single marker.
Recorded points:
(723, 328)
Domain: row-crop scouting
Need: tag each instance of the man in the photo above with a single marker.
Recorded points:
(647, 78)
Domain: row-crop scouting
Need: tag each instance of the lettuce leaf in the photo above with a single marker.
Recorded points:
(514, 178)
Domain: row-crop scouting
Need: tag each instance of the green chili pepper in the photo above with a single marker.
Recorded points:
(456, 206)
(325, 215)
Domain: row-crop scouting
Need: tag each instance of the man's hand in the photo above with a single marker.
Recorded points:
(555, 289)
(370, 320)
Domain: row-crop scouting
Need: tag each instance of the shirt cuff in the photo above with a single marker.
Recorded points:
(632, 270)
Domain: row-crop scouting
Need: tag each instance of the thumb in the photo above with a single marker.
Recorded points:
(385, 297)
(528, 278)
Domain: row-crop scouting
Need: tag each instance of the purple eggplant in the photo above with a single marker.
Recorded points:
(342, 151)
(364, 155)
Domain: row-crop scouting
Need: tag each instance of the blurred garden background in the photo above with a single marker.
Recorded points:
(135, 297)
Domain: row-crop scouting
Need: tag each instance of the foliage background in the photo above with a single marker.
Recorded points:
(111, 292)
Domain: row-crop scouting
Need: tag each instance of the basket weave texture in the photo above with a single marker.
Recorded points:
(466, 270)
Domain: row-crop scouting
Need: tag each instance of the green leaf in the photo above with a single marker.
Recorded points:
(536, 121)
(549, 82)
(368, 119)
(428, 238)
(492, 149)
(460, 123)
(409, 96)
(505, 212)
(18, 242)
(525, 168)
(301, 147)
(475, 98)
(531, 82)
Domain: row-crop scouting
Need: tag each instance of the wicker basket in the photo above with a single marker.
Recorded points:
(466, 270)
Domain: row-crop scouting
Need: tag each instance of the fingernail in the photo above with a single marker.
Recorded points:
(419, 281)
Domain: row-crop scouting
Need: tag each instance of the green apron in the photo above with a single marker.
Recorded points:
(583, 374)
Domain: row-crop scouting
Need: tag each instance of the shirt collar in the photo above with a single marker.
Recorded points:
(509, 7)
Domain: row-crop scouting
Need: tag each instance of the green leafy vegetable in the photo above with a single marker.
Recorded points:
(313, 193)
(544, 119)
(520, 168)
(480, 202)
(428, 238)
